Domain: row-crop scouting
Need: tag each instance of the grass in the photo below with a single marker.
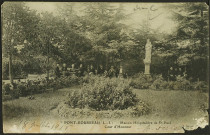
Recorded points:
(174, 103)
(40, 105)
(171, 104)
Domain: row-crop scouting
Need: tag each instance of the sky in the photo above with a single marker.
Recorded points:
(138, 13)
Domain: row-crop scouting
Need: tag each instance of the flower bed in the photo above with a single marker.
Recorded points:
(106, 94)
(63, 110)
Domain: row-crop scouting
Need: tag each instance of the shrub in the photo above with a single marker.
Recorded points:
(22, 89)
(141, 81)
(88, 79)
(40, 88)
(34, 88)
(74, 80)
(159, 83)
(66, 81)
(170, 85)
(182, 83)
(59, 84)
(200, 85)
(14, 94)
(6, 89)
(9, 90)
(140, 109)
(52, 84)
(104, 94)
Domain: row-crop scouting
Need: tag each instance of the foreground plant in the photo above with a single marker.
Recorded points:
(105, 94)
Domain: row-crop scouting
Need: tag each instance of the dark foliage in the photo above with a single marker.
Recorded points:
(103, 94)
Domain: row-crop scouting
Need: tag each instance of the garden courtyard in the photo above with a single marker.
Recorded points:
(103, 67)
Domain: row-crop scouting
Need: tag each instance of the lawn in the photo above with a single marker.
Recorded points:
(177, 106)
(40, 105)
(174, 103)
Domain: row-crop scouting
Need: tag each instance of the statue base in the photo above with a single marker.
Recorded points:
(120, 75)
(147, 67)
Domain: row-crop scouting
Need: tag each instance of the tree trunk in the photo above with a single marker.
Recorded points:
(48, 74)
(10, 69)
(202, 37)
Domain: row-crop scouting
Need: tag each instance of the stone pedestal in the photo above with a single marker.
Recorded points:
(120, 76)
(121, 72)
(147, 67)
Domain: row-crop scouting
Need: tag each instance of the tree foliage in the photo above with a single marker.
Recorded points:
(188, 46)
(96, 33)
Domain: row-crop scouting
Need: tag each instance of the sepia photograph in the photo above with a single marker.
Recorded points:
(105, 67)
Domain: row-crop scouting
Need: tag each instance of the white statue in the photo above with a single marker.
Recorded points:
(147, 60)
(148, 49)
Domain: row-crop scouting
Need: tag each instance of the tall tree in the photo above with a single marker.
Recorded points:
(16, 19)
(189, 44)
(105, 30)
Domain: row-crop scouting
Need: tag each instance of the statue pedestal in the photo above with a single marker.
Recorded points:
(147, 67)
(121, 72)
(120, 75)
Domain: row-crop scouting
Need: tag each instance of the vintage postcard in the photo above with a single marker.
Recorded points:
(105, 67)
